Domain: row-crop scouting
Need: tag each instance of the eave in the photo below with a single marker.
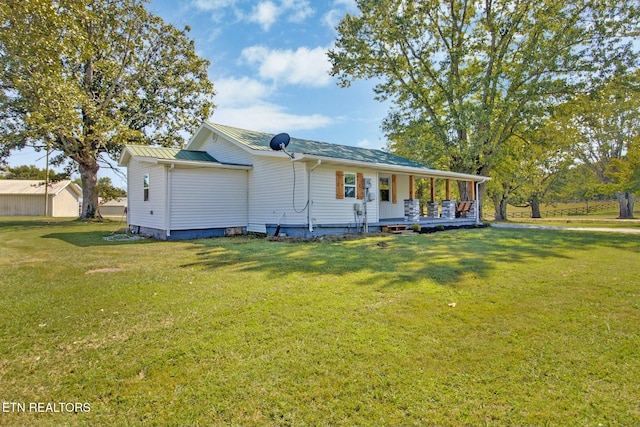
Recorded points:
(192, 164)
(419, 172)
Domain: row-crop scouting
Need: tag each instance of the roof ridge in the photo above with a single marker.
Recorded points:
(313, 147)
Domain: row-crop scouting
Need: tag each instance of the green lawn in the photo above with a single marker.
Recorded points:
(468, 327)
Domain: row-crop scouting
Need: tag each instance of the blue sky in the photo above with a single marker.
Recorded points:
(270, 70)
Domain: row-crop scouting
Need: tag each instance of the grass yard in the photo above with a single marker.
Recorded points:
(468, 327)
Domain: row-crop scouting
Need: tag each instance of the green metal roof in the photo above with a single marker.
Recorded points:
(170, 153)
(260, 141)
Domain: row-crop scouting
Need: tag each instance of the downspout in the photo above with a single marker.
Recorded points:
(477, 214)
(309, 201)
(167, 211)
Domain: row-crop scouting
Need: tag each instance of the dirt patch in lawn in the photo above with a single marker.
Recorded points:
(104, 270)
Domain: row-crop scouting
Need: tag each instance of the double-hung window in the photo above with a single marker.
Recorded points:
(350, 185)
(385, 189)
(145, 187)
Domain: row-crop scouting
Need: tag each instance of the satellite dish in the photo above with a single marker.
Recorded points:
(280, 141)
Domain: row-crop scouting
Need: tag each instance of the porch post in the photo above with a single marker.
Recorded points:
(433, 189)
(472, 191)
(448, 189)
(412, 187)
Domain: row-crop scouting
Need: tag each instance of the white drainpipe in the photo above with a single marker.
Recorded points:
(478, 200)
(309, 201)
(167, 211)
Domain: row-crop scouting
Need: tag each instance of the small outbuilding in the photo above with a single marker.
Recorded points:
(114, 208)
(27, 198)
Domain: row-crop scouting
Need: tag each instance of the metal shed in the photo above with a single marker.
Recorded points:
(27, 198)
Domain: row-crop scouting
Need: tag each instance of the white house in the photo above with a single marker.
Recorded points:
(229, 180)
(27, 198)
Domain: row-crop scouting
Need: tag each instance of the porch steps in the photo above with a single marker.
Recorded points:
(394, 229)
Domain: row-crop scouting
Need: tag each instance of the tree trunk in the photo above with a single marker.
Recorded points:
(463, 190)
(626, 202)
(535, 207)
(500, 204)
(89, 176)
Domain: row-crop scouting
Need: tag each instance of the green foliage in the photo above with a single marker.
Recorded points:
(244, 331)
(88, 76)
(603, 127)
(106, 190)
(31, 172)
(467, 76)
(529, 168)
(578, 183)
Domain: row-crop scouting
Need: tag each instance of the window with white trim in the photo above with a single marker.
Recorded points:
(145, 187)
(385, 189)
(350, 184)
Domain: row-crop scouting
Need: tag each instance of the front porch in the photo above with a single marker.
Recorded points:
(387, 225)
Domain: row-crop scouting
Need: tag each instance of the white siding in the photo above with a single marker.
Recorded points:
(150, 213)
(18, 205)
(208, 198)
(64, 204)
(327, 209)
(271, 197)
(395, 210)
(226, 152)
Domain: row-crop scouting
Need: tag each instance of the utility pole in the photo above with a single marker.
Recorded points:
(46, 184)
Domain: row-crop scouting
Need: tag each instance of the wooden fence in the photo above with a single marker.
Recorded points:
(582, 210)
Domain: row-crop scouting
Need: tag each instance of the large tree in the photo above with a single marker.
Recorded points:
(529, 165)
(466, 75)
(604, 128)
(84, 77)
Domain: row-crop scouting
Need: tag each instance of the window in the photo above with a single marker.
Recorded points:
(385, 190)
(145, 186)
(350, 185)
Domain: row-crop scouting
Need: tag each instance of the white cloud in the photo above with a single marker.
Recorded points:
(268, 117)
(299, 9)
(243, 103)
(340, 9)
(365, 143)
(239, 92)
(265, 13)
(303, 66)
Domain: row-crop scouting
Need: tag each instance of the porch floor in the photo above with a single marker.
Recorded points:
(424, 222)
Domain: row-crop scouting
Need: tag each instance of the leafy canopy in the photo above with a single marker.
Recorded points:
(603, 129)
(465, 76)
(86, 76)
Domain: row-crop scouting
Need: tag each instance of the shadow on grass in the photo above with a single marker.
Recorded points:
(73, 231)
(86, 239)
(443, 258)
